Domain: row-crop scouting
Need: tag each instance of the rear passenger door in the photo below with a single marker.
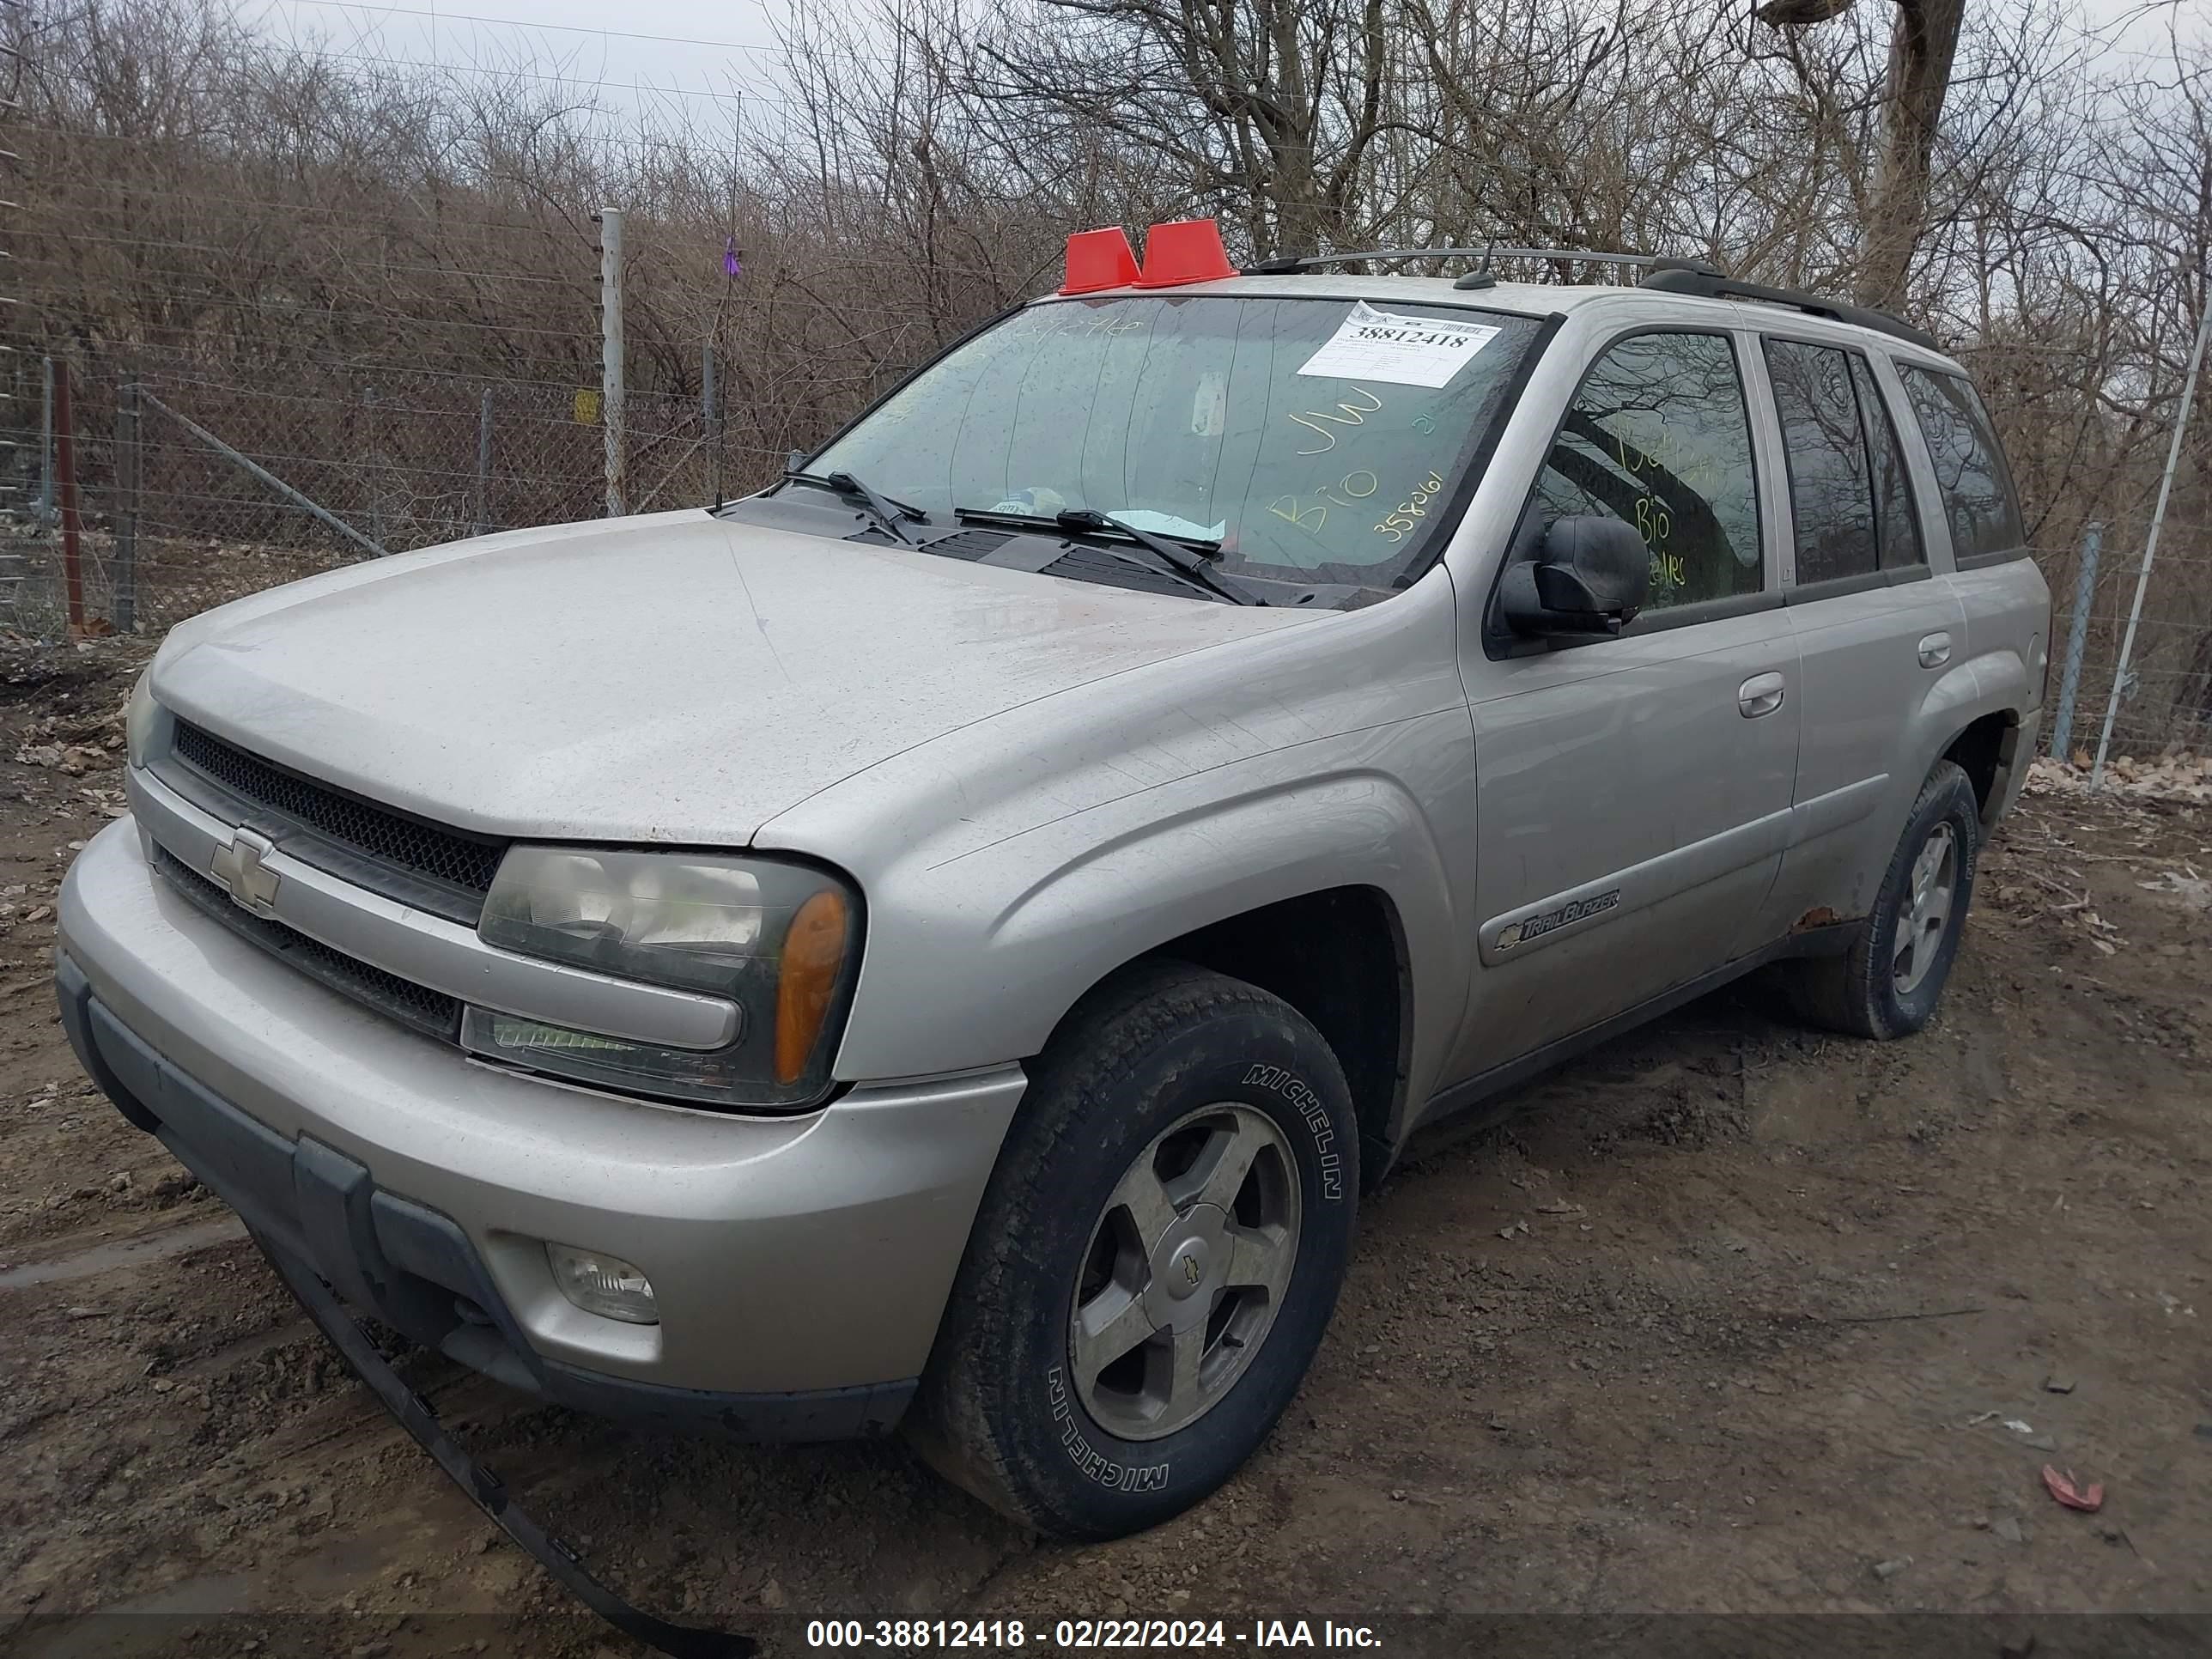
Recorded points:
(1874, 630)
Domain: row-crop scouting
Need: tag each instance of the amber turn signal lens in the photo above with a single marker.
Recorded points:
(813, 952)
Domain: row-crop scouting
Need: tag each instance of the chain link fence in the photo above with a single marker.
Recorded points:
(196, 487)
(2165, 705)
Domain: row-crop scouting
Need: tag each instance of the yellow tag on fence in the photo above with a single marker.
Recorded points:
(587, 408)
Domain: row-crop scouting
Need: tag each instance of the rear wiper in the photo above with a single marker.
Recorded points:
(886, 511)
(1181, 560)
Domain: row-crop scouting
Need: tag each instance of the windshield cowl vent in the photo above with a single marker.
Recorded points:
(969, 543)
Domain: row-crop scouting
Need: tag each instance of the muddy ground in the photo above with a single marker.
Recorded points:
(1728, 1318)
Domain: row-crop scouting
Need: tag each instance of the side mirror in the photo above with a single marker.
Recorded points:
(1591, 576)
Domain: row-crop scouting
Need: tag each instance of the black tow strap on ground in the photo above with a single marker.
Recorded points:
(485, 1489)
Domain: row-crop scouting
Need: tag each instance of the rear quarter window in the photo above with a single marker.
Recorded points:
(1971, 475)
(1901, 545)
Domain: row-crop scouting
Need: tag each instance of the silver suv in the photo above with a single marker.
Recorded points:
(946, 942)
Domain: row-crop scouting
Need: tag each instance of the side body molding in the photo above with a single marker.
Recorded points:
(1656, 879)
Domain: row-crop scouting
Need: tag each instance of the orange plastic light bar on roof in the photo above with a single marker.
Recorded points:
(1185, 250)
(1099, 259)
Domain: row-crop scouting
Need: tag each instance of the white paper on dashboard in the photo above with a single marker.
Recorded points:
(1166, 524)
(1383, 345)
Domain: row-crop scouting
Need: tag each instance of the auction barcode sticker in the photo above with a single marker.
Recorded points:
(1382, 345)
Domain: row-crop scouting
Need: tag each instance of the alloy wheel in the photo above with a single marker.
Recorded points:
(1189, 1263)
(1925, 916)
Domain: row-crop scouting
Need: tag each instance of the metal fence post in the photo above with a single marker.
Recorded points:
(2077, 634)
(2150, 544)
(66, 465)
(375, 483)
(47, 446)
(710, 420)
(483, 465)
(123, 612)
(610, 357)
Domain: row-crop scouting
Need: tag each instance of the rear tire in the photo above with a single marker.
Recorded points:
(1888, 984)
(1108, 1360)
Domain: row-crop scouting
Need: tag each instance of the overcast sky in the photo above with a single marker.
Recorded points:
(705, 59)
(712, 52)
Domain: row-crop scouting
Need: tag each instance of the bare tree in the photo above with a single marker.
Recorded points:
(279, 233)
(1266, 112)
(1922, 47)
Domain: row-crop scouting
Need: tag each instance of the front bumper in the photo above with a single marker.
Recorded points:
(800, 1265)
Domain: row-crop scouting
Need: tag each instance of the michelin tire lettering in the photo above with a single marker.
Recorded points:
(1094, 1464)
(1294, 1090)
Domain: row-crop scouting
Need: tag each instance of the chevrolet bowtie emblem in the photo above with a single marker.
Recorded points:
(238, 866)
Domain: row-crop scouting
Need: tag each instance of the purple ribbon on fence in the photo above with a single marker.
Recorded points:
(734, 264)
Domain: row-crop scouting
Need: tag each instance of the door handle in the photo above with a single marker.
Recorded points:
(1760, 694)
(1935, 650)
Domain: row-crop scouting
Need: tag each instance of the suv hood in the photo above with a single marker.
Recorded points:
(667, 679)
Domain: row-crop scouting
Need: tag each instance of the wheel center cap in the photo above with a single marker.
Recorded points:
(1187, 1266)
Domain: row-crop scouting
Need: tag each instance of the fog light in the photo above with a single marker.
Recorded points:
(603, 1285)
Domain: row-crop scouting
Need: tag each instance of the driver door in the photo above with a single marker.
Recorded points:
(1634, 792)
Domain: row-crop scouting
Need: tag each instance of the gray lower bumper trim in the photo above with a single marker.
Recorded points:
(409, 1264)
(486, 1490)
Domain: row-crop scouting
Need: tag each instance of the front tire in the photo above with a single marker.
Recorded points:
(1888, 983)
(1155, 1260)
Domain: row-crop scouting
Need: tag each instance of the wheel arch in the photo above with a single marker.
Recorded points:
(1987, 750)
(1975, 715)
(1339, 957)
(984, 958)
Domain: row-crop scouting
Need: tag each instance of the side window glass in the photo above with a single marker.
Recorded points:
(1892, 491)
(1970, 468)
(1831, 486)
(1658, 436)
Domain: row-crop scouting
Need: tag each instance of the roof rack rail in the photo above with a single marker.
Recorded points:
(1285, 265)
(1677, 278)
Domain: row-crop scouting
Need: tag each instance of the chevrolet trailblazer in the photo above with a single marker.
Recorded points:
(944, 943)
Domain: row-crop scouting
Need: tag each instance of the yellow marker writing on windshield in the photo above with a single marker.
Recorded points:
(1348, 414)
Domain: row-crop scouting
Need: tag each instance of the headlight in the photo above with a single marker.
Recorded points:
(781, 940)
(139, 718)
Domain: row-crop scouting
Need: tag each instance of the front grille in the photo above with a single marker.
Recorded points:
(432, 1013)
(449, 856)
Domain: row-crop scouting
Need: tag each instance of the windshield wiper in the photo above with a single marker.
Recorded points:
(1190, 563)
(1181, 560)
(886, 511)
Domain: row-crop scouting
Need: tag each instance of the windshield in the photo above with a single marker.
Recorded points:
(1311, 439)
